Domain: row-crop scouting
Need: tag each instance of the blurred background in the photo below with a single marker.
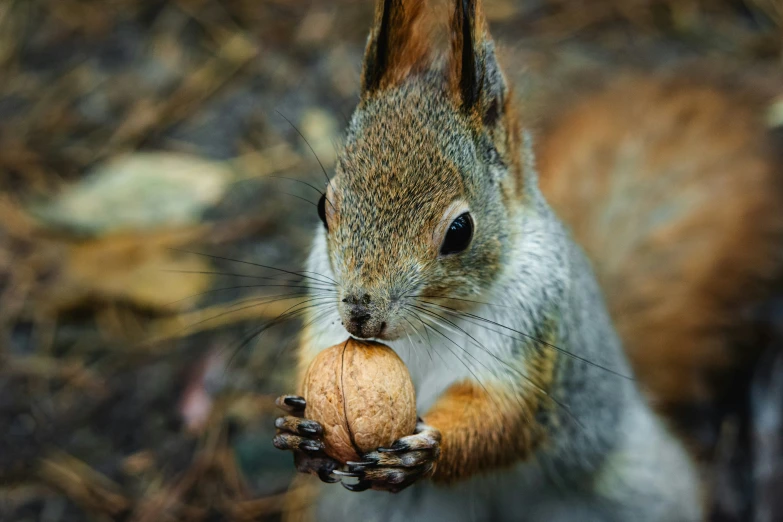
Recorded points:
(137, 377)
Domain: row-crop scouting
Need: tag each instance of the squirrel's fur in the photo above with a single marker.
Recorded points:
(674, 187)
(529, 411)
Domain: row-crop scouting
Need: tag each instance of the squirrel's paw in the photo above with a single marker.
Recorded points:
(303, 437)
(395, 468)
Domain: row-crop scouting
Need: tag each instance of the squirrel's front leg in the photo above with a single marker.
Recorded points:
(471, 428)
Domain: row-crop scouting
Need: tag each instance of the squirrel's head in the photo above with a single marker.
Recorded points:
(423, 195)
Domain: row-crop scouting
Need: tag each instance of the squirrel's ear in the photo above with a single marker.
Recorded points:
(475, 75)
(398, 44)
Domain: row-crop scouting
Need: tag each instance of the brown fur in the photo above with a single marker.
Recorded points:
(673, 189)
(487, 427)
(398, 49)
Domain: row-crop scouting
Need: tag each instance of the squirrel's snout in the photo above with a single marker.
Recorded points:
(360, 323)
(359, 318)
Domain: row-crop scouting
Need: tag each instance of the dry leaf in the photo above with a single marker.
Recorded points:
(138, 268)
(136, 192)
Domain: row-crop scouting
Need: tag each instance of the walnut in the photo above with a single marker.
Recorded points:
(363, 396)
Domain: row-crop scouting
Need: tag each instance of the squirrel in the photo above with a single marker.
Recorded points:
(439, 240)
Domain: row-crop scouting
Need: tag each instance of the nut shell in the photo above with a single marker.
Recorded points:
(362, 395)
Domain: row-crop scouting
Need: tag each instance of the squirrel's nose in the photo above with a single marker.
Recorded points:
(359, 322)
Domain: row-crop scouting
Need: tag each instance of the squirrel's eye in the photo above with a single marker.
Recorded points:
(458, 236)
(322, 210)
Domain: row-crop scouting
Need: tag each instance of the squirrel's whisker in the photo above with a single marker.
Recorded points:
(526, 378)
(411, 345)
(299, 197)
(249, 276)
(323, 169)
(407, 312)
(416, 331)
(335, 283)
(426, 332)
(299, 181)
(287, 314)
(466, 352)
(264, 278)
(282, 270)
(454, 311)
(420, 296)
(280, 297)
(222, 289)
(273, 299)
(317, 317)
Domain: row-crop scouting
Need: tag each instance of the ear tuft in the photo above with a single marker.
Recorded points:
(463, 45)
(398, 44)
(474, 73)
(478, 86)
(464, 73)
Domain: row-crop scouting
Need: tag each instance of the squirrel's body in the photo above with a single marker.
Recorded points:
(600, 454)
(438, 241)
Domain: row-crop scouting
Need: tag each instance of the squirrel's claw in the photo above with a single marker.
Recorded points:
(304, 427)
(387, 479)
(321, 466)
(303, 437)
(409, 459)
(326, 476)
(425, 438)
(289, 441)
(362, 485)
(350, 474)
(395, 468)
(293, 404)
